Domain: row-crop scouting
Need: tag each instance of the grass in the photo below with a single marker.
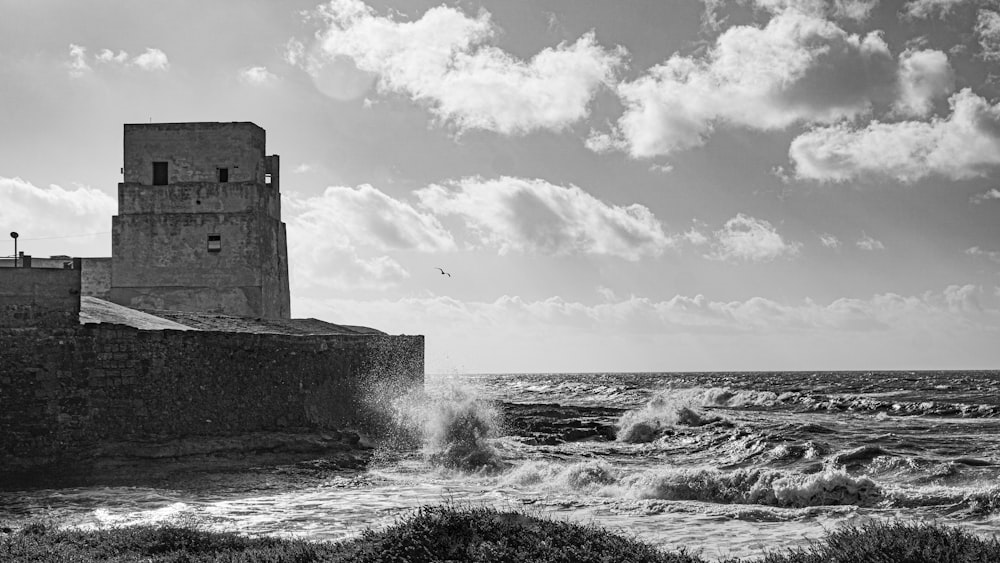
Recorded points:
(445, 533)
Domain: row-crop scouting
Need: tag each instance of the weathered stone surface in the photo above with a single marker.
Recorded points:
(39, 297)
(67, 392)
(205, 240)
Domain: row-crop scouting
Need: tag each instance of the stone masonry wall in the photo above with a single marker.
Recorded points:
(194, 151)
(95, 277)
(67, 393)
(38, 297)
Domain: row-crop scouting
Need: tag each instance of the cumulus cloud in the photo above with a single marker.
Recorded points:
(257, 76)
(525, 215)
(695, 237)
(962, 298)
(866, 242)
(335, 239)
(924, 76)
(151, 60)
(965, 144)
(829, 240)
(109, 56)
(992, 193)
(77, 61)
(372, 218)
(857, 10)
(921, 9)
(797, 68)
(445, 59)
(37, 212)
(745, 238)
(991, 255)
(988, 32)
(954, 307)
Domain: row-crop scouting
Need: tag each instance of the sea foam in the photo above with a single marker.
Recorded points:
(455, 427)
(753, 486)
(663, 413)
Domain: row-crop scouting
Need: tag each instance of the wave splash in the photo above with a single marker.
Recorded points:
(454, 427)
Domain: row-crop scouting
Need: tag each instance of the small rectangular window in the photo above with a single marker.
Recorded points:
(223, 175)
(214, 243)
(267, 178)
(159, 173)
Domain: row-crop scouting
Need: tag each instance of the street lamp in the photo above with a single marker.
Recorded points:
(14, 236)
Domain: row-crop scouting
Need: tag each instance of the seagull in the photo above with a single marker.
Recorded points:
(444, 273)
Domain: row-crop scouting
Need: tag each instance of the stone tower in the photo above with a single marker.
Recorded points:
(199, 222)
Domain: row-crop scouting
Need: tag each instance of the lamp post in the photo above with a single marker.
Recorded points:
(14, 236)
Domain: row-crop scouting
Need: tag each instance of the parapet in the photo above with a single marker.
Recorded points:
(172, 153)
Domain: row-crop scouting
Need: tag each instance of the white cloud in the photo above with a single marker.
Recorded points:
(152, 59)
(955, 306)
(745, 238)
(924, 76)
(988, 32)
(889, 330)
(444, 59)
(992, 255)
(257, 75)
(829, 241)
(332, 237)
(109, 56)
(78, 61)
(798, 68)
(929, 8)
(963, 298)
(369, 217)
(603, 142)
(857, 10)
(866, 242)
(964, 145)
(992, 193)
(295, 52)
(54, 211)
(524, 215)
(695, 237)
(302, 168)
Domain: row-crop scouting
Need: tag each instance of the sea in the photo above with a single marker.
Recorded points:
(722, 464)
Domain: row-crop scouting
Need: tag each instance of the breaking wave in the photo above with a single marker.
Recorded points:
(755, 486)
(831, 487)
(662, 414)
(811, 402)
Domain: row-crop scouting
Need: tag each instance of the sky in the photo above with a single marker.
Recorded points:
(629, 185)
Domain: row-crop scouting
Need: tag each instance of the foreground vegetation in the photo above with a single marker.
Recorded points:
(474, 535)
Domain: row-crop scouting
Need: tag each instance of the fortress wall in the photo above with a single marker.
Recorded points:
(38, 297)
(95, 277)
(163, 262)
(69, 394)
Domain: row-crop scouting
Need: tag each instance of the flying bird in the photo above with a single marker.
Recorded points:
(444, 273)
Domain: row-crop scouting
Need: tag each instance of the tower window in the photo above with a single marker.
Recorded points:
(223, 175)
(214, 243)
(159, 173)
